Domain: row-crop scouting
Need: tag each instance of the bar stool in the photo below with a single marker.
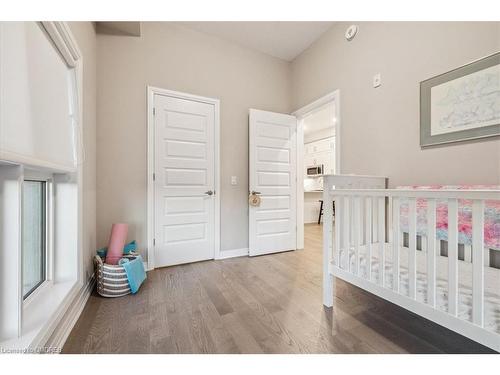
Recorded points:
(321, 210)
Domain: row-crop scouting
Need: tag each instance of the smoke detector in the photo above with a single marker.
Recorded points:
(351, 32)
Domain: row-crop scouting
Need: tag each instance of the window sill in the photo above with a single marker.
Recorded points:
(40, 290)
(41, 312)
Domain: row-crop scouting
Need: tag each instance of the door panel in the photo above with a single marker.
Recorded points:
(184, 168)
(272, 225)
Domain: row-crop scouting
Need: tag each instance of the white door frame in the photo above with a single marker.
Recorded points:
(334, 98)
(151, 92)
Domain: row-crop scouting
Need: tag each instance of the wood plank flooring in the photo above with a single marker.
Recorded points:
(266, 304)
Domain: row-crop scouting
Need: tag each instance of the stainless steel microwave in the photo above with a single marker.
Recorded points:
(315, 170)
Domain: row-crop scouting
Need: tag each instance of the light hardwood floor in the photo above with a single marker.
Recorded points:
(266, 304)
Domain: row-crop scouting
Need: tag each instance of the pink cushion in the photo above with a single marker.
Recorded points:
(116, 243)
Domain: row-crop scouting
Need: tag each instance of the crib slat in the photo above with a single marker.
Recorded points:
(346, 206)
(431, 252)
(396, 241)
(478, 262)
(453, 257)
(357, 233)
(412, 244)
(389, 220)
(338, 212)
(381, 238)
(375, 220)
(368, 237)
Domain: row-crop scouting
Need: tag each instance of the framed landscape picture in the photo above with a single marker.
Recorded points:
(462, 104)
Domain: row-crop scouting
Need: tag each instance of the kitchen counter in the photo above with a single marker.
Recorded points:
(311, 205)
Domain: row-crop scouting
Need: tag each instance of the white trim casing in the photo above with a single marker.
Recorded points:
(10, 262)
(300, 185)
(151, 92)
(333, 97)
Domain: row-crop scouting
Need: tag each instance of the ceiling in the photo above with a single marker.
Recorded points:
(284, 40)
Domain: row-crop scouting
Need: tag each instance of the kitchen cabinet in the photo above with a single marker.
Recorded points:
(320, 152)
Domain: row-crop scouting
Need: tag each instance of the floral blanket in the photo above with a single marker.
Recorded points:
(491, 216)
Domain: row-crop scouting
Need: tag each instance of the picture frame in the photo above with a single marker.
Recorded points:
(462, 104)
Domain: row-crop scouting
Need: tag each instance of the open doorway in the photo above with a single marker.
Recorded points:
(318, 154)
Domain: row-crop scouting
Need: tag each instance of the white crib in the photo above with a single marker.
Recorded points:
(363, 246)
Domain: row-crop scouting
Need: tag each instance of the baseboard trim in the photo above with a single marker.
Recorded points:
(60, 334)
(225, 254)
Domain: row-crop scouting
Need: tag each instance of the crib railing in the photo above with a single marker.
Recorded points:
(370, 220)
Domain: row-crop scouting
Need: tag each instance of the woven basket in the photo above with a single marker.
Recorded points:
(111, 279)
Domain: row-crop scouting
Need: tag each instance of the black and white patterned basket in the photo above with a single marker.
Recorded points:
(111, 279)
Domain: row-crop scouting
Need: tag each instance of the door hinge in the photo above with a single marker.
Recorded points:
(154, 176)
(154, 111)
(154, 241)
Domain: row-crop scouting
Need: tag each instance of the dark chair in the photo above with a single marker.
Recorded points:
(321, 210)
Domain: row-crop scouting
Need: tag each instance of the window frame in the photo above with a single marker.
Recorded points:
(47, 179)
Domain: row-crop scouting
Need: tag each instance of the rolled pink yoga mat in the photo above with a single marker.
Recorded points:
(116, 243)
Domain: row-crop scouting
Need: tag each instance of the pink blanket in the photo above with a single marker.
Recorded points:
(491, 216)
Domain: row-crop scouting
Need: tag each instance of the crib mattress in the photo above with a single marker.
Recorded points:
(491, 215)
(492, 282)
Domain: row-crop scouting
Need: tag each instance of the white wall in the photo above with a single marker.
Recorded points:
(380, 127)
(176, 58)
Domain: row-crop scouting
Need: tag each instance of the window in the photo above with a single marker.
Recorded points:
(40, 184)
(34, 235)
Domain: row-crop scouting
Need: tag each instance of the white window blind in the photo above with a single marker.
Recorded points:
(37, 96)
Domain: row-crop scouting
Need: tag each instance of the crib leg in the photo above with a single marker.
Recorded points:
(328, 288)
(328, 280)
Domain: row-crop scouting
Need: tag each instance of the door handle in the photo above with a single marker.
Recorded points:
(255, 192)
(210, 192)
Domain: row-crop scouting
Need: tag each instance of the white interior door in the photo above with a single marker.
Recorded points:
(273, 176)
(184, 180)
